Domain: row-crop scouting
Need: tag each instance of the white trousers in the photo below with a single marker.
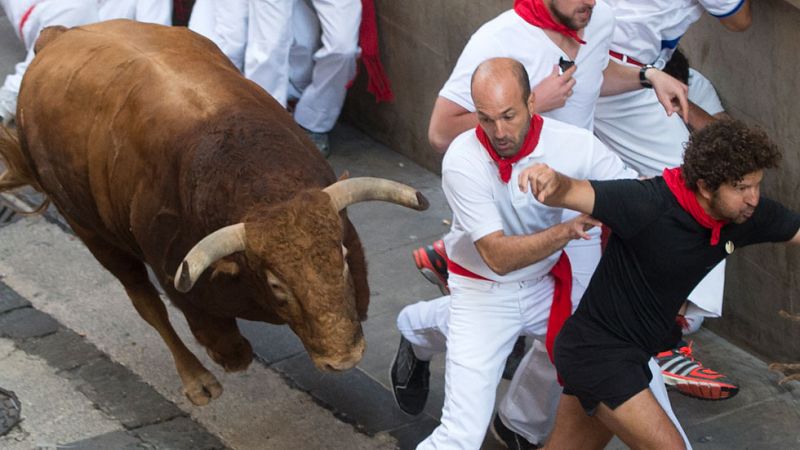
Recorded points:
(635, 126)
(334, 64)
(473, 371)
(48, 13)
(150, 11)
(225, 23)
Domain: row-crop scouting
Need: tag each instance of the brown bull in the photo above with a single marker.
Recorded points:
(149, 141)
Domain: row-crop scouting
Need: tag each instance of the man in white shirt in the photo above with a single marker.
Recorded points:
(569, 97)
(29, 17)
(149, 11)
(635, 127)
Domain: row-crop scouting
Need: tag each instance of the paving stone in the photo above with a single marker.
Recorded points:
(371, 405)
(26, 323)
(272, 343)
(180, 433)
(119, 440)
(9, 299)
(409, 436)
(63, 350)
(121, 394)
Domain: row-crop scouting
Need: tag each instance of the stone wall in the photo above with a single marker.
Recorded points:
(755, 72)
(757, 75)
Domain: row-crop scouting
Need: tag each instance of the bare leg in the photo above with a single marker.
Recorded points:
(575, 430)
(199, 385)
(641, 423)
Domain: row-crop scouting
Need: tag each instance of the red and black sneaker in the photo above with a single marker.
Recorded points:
(431, 261)
(683, 372)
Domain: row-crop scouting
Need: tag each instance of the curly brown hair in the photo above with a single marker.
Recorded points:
(726, 151)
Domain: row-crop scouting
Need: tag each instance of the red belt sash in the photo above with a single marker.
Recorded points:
(625, 58)
(560, 309)
(24, 20)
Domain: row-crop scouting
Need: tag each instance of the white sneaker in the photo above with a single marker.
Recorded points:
(8, 106)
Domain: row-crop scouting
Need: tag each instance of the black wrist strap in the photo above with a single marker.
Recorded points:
(642, 78)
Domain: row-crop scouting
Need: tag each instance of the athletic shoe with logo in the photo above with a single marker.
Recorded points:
(431, 261)
(410, 376)
(683, 372)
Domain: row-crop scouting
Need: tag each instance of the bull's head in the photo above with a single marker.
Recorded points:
(296, 248)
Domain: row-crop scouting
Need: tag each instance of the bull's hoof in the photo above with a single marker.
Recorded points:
(202, 389)
(235, 360)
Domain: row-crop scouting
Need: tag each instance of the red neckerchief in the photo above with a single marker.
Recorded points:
(686, 198)
(504, 164)
(535, 13)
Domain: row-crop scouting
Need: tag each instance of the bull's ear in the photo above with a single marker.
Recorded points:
(47, 35)
(345, 175)
(224, 267)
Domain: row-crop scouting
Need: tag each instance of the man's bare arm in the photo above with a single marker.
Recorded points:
(739, 21)
(556, 189)
(504, 254)
(671, 93)
(448, 120)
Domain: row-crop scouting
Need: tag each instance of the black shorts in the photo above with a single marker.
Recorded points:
(598, 367)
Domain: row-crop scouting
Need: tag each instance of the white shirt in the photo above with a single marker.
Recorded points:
(483, 204)
(509, 35)
(15, 9)
(703, 94)
(649, 30)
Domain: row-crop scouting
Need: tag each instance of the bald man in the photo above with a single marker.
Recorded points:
(504, 247)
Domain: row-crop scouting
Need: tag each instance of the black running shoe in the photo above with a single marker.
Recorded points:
(409, 379)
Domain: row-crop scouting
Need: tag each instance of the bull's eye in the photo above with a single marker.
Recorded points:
(278, 288)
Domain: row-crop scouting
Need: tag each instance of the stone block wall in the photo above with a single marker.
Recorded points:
(757, 74)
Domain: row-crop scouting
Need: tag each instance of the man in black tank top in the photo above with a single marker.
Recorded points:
(668, 232)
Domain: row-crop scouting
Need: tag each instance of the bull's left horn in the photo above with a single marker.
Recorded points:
(216, 245)
(347, 192)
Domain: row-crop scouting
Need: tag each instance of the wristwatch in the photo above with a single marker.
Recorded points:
(642, 79)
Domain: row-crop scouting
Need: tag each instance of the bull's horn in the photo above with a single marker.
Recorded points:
(353, 190)
(216, 245)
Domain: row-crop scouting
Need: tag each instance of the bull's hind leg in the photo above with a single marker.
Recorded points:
(222, 339)
(199, 385)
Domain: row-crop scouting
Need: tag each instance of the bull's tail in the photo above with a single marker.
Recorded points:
(17, 172)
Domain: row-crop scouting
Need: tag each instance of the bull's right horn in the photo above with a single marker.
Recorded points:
(217, 245)
(353, 190)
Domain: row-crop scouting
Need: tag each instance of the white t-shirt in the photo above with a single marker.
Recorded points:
(509, 35)
(483, 204)
(650, 30)
(703, 94)
(15, 9)
(150, 11)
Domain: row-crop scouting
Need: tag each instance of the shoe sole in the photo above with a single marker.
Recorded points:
(433, 277)
(700, 390)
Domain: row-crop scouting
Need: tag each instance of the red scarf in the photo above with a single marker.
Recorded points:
(561, 308)
(23, 21)
(504, 164)
(686, 198)
(535, 13)
(378, 83)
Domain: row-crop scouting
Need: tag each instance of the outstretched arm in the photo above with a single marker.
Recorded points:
(556, 189)
(504, 254)
(671, 93)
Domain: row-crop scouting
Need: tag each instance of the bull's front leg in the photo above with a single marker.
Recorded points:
(199, 385)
